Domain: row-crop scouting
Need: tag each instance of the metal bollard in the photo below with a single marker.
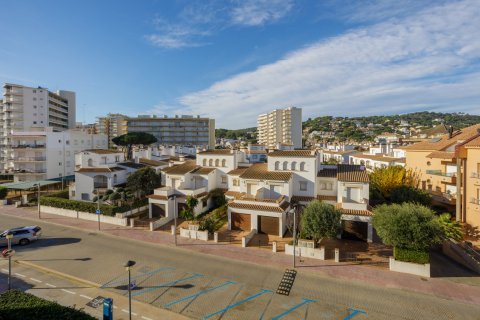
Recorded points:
(274, 246)
(337, 255)
(215, 236)
(173, 230)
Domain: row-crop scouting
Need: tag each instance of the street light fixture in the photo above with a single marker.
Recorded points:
(38, 198)
(128, 266)
(174, 197)
(294, 212)
(9, 237)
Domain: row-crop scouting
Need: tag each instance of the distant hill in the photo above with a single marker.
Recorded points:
(365, 128)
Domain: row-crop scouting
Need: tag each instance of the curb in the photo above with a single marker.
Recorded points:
(59, 274)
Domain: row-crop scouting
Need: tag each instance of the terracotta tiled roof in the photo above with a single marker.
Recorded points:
(257, 152)
(374, 157)
(224, 152)
(102, 170)
(444, 142)
(326, 198)
(293, 153)
(154, 163)
(302, 199)
(132, 165)
(237, 172)
(260, 171)
(103, 151)
(327, 173)
(234, 194)
(183, 168)
(475, 143)
(440, 129)
(340, 152)
(357, 212)
(157, 197)
(351, 173)
(257, 207)
(441, 155)
(203, 170)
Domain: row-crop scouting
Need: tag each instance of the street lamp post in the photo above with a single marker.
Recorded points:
(38, 198)
(174, 197)
(129, 266)
(294, 212)
(9, 237)
(98, 208)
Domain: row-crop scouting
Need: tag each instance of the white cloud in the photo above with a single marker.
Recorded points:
(428, 60)
(259, 12)
(198, 20)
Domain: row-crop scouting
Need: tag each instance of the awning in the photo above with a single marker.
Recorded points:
(27, 185)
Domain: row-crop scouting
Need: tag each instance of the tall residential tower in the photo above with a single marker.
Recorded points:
(281, 126)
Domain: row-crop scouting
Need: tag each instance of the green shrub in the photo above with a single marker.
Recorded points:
(218, 198)
(215, 220)
(404, 194)
(61, 194)
(406, 255)
(15, 304)
(3, 193)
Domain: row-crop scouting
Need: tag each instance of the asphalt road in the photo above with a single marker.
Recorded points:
(208, 287)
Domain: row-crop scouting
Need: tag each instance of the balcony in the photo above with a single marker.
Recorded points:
(475, 201)
(30, 146)
(475, 175)
(29, 159)
(30, 172)
(443, 197)
(448, 177)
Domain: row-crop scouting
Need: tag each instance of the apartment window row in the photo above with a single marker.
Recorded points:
(293, 166)
(216, 163)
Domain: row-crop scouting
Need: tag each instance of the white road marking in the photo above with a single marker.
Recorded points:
(114, 307)
(126, 311)
(134, 314)
(145, 318)
(5, 270)
(86, 297)
(68, 291)
(50, 285)
(36, 280)
(20, 275)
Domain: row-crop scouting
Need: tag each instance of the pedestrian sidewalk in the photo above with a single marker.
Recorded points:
(466, 289)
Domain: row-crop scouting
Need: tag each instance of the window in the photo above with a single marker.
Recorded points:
(210, 163)
(285, 165)
(59, 163)
(34, 107)
(67, 142)
(34, 99)
(277, 165)
(34, 91)
(217, 163)
(302, 166)
(293, 166)
(224, 179)
(204, 203)
(224, 163)
(204, 162)
(117, 158)
(59, 141)
(34, 122)
(303, 186)
(67, 163)
(236, 182)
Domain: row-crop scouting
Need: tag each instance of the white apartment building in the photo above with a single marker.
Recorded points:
(29, 109)
(375, 161)
(181, 130)
(280, 126)
(45, 154)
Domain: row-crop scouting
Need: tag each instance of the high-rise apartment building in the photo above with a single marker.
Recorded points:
(26, 109)
(180, 130)
(281, 126)
(112, 125)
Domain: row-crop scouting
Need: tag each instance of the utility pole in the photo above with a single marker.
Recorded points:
(9, 239)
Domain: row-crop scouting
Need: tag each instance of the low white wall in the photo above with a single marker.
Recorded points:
(193, 234)
(313, 253)
(422, 270)
(129, 213)
(84, 215)
(246, 239)
(158, 223)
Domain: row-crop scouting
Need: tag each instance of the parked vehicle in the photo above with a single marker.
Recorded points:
(21, 235)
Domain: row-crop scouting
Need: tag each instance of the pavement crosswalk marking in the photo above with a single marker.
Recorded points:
(68, 291)
(5, 270)
(20, 275)
(86, 297)
(126, 311)
(50, 285)
(36, 280)
(145, 318)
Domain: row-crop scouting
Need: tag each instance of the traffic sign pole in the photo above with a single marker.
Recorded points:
(9, 239)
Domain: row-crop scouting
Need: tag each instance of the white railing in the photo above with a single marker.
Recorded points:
(475, 175)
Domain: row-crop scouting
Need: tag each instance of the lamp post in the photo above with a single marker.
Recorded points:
(174, 197)
(128, 266)
(38, 198)
(294, 211)
(98, 208)
(9, 237)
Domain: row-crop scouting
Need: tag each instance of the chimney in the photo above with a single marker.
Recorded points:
(450, 132)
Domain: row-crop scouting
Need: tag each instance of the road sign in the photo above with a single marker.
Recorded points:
(8, 253)
(97, 211)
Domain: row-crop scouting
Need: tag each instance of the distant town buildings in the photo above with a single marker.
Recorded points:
(112, 125)
(281, 126)
(180, 130)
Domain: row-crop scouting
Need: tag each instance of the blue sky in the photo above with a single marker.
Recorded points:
(232, 60)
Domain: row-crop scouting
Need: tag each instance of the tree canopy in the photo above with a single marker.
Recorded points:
(133, 138)
(404, 194)
(143, 181)
(320, 220)
(407, 226)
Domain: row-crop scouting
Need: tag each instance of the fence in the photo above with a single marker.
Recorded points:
(84, 215)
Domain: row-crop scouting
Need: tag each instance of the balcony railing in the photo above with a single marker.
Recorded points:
(475, 201)
(475, 175)
(440, 173)
(26, 146)
(21, 159)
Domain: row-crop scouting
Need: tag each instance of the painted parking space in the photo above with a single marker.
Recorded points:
(201, 296)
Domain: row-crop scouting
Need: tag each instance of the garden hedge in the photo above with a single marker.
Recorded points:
(90, 207)
(15, 304)
(406, 255)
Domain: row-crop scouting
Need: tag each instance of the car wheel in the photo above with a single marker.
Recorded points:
(23, 242)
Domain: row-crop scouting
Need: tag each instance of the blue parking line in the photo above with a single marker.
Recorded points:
(196, 275)
(237, 303)
(304, 302)
(138, 276)
(227, 283)
(354, 313)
